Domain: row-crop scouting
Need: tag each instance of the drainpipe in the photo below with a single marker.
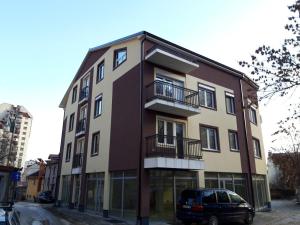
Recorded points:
(139, 217)
(246, 135)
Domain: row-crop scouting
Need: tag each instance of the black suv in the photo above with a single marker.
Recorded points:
(209, 206)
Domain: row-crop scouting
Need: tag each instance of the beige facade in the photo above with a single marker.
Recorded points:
(222, 161)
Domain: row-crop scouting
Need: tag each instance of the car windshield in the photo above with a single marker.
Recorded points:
(188, 196)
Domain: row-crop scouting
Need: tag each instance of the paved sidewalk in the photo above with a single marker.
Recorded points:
(75, 217)
(284, 212)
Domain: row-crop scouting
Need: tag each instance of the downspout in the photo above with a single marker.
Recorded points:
(246, 135)
(139, 217)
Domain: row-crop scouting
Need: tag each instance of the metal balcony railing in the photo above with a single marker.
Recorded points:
(81, 126)
(173, 147)
(84, 93)
(173, 93)
(77, 160)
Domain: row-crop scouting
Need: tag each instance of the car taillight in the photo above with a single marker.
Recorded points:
(197, 208)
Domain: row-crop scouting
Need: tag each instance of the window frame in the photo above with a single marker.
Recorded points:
(254, 141)
(71, 122)
(207, 88)
(237, 141)
(74, 94)
(251, 114)
(98, 98)
(97, 75)
(231, 97)
(68, 152)
(217, 138)
(95, 153)
(116, 51)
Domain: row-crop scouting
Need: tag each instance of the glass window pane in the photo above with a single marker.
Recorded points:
(203, 136)
(222, 197)
(161, 131)
(208, 197)
(170, 133)
(116, 197)
(210, 99)
(130, 198)
(212, 139)
(202, 97)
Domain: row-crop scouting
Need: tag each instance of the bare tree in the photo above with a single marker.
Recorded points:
(277, 70)
(287, 158)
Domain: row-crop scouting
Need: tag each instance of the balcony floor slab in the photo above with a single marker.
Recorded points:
(173, 163)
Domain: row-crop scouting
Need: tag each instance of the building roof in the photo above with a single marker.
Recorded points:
(164, 42)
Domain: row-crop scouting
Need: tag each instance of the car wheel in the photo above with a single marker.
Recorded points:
(213, 220)
(249, 219)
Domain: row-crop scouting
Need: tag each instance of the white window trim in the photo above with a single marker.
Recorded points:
(208, 140)
(174, 122)
(201, 86)
(101, 109)
(236, 141)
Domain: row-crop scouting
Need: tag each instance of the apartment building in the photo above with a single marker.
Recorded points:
(15, 129)
(145, 119)
(51, 174)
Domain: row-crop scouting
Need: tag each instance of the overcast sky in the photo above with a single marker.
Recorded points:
(42, 44)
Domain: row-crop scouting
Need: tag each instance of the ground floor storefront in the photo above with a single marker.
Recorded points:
(162, 192)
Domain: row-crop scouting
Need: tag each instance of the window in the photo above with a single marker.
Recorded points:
(23, 138)
(207, 96)
(230, 106)
(68, 153)
(222, 197)
(71, 122)
(208, 197)
(233, 140)
(100, 72)
(252, 115)
(95, 144)
(25, 128)
(26, 123)
(98, 106)
(119, 57)
(24, 133)
(166, 131)
(256, 147)
(235, 198)
(74, 94)
(209, 138)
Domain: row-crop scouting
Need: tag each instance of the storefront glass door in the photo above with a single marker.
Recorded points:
(166, 187)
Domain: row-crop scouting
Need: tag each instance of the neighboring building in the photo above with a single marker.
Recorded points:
(6, 183)
(145, 119)
(35, 179)
(15, 128)
(51, 173)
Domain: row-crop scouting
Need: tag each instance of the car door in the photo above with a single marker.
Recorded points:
(209, 202)
(238, 205)
(224, 207)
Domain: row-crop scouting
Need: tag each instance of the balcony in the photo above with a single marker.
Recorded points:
(77, 163)
(84, 94)
(169, 98)
(81, 127)
(172, 152)
(175, 62)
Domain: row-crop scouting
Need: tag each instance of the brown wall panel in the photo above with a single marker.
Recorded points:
(125, 124)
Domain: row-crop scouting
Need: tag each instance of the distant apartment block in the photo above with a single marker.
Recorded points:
(15, 128)
(145, 118)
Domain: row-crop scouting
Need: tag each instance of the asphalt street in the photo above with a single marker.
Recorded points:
(36, 214)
